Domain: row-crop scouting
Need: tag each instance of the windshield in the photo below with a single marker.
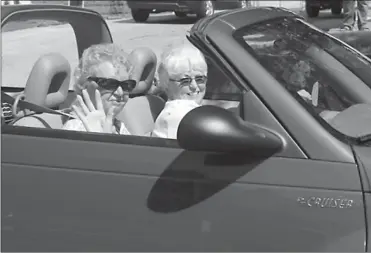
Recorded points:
(325, 75)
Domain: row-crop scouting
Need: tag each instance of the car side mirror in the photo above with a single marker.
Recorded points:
(213, 129)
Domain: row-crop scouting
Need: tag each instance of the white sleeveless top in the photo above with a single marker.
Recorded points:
(166, 125)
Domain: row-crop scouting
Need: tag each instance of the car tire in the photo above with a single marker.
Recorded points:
(140, 15)
(312, 11)
(336, 9)
(180, 14)
(206, 9)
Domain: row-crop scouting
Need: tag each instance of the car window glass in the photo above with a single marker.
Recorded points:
(323, 74)
(220, 90)
(218, 82)
(24, 42)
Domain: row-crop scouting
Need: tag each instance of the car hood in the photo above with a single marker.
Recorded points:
(363, 157)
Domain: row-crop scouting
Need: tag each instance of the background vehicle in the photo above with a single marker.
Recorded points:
(313, 7)
(141, 9)
(275, 178)
(6, 2)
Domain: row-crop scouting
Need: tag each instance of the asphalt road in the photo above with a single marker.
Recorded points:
(22, 47)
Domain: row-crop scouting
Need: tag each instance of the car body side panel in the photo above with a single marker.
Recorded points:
(68, 195)
(73, 210)
(145, 160)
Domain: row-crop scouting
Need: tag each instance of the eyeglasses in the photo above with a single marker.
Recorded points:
(113, 84)
(188, 80)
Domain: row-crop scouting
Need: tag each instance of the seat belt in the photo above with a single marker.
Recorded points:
(32, 107)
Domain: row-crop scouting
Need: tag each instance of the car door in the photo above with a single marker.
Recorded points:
(71, 191)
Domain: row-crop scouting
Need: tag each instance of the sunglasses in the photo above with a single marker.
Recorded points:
(113, 84)
(188, 80)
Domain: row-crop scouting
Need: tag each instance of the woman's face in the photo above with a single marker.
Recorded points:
(298, 75)
(190, 85)
(112, 98)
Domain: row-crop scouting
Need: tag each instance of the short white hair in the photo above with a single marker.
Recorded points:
(178, 59)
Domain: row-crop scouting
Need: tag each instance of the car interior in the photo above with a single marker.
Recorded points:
(48, 86)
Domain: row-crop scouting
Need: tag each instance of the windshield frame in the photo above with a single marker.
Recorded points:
(239, 37)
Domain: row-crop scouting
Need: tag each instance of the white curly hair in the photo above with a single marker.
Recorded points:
(93, 56)
(178, 59)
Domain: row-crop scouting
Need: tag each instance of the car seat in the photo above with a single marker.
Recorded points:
(49, 81)
(46, 86)
(140, 112)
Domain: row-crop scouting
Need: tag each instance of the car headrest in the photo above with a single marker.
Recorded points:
(144, 62)
(49, 81)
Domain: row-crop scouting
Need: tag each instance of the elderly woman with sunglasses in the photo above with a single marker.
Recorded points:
(182, 77)
(103, 76)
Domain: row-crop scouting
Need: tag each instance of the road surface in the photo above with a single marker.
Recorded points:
(22, 48)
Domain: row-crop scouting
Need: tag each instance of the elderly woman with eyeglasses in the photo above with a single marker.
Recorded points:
(182, 76)
(102, 86)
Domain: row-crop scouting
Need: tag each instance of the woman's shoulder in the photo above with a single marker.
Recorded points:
(181, 104)
(177, 109)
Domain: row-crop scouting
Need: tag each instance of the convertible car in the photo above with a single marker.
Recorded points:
(278, 158)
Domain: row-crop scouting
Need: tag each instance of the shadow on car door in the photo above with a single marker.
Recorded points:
(67, 191)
